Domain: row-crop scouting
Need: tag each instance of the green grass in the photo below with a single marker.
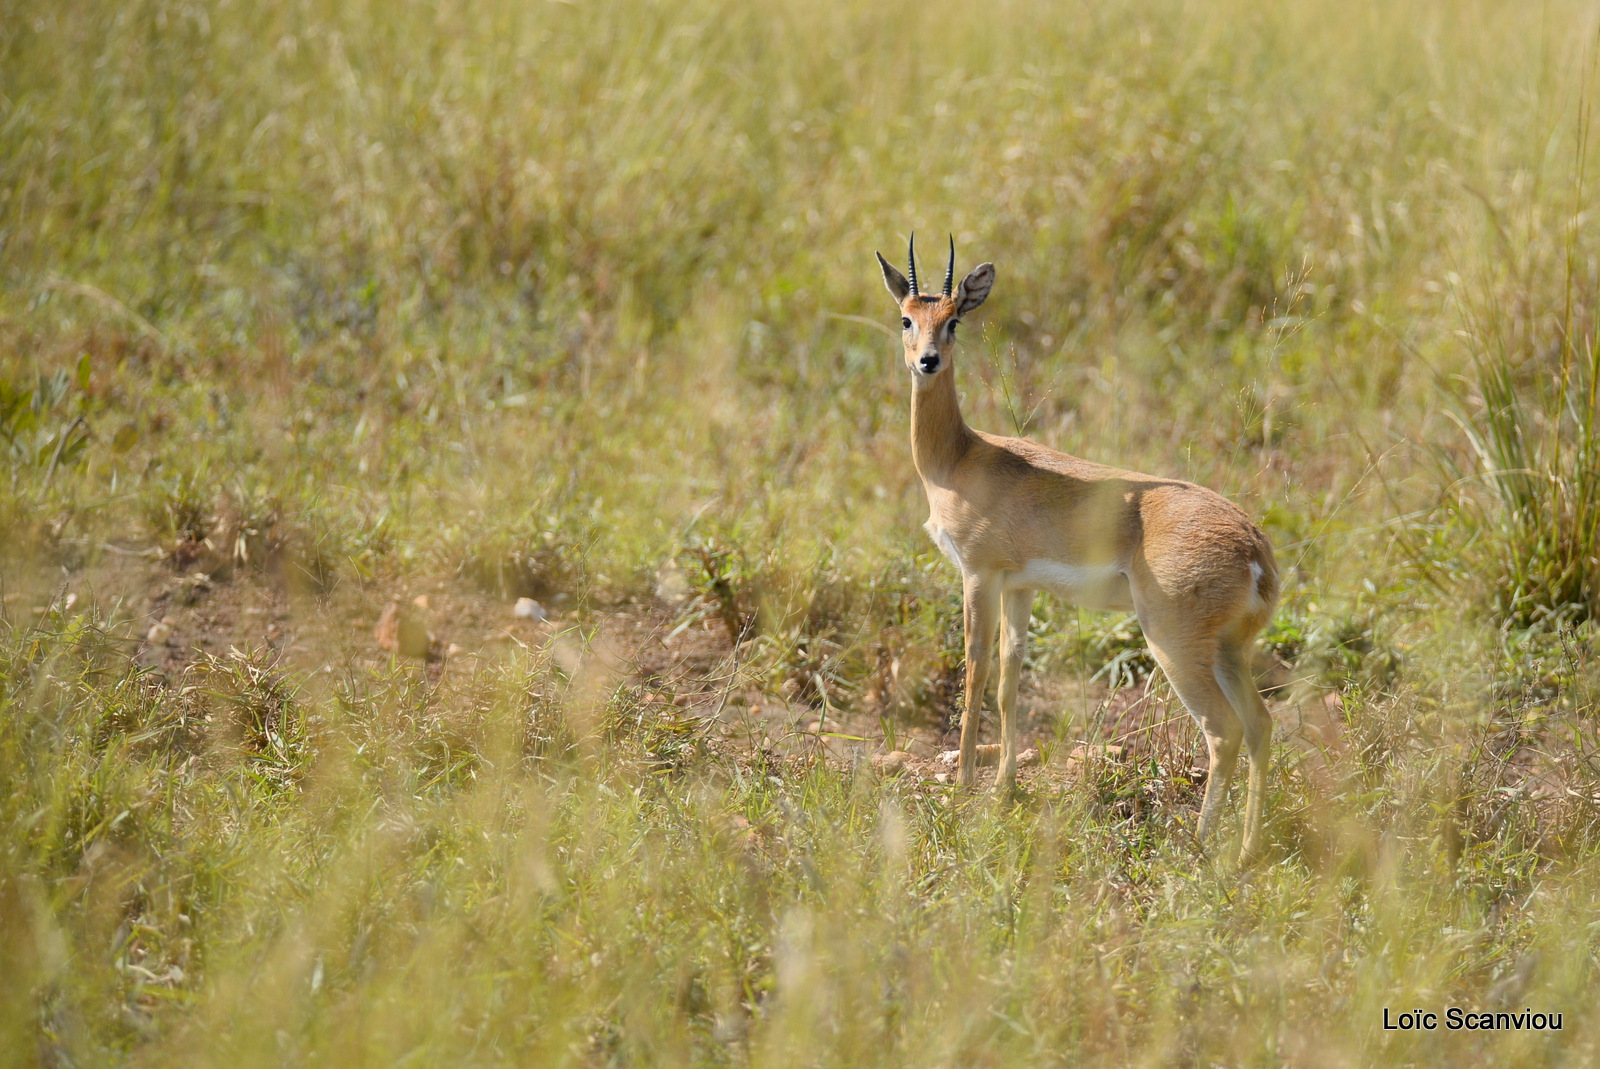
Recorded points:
(340, 302)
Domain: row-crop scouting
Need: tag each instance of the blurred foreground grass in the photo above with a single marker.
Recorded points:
(555, 300)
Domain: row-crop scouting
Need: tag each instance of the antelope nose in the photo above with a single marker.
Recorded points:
(929, 362)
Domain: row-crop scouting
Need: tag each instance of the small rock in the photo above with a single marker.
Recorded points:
(1083, 752)
(190, 588)
(528, 609)
(420, 601)
(986, 754)
(672, 584)
(1027, 758)
(890, 764)
(159, 632)
(454, 651)
(941, 777)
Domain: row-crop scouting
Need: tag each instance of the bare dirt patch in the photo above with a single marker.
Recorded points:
(170, 614)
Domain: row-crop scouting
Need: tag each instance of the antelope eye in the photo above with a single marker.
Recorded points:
(905, 322)
(954, 323)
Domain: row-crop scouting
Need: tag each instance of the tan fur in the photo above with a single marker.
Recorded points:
(1199, 574)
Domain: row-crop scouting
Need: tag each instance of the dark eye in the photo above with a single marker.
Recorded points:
(954, 323)
(905, 322)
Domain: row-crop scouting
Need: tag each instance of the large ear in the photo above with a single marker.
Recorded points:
(974, 289)
(898, 286)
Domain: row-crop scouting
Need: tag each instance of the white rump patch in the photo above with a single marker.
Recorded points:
(1089, 585)
(946, 544)
(1255, 585)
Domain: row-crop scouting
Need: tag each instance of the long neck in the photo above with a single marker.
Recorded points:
(939, 436)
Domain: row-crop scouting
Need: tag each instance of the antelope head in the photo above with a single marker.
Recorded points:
(928, 324)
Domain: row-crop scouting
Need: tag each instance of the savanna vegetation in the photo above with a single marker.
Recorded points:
(312, 308)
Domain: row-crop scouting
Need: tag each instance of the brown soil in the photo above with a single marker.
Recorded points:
(171, 614)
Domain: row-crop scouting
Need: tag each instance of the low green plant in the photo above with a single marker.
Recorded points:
(1528, 508)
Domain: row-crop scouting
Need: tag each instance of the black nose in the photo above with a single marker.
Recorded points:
(930, 363)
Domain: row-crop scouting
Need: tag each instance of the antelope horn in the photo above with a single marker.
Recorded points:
(950, 272)
(911, 256)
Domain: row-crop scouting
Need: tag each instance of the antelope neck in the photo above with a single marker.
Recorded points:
(939, 436)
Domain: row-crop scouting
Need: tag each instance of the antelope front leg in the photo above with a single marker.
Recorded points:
(982, 616)
(1017, 613)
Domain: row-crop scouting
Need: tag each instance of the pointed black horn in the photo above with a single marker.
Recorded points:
(911, 255)
(950, 272)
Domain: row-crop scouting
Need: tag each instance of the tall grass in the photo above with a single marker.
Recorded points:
(376, 870)
(1525, 497)
(1540, 456)
(1532, 427)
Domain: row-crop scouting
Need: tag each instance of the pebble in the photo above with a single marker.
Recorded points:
(987, 754)
(890, 764)
(672, 585)
(528, 609)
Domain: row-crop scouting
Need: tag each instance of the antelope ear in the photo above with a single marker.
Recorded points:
(898, 286)
(974, 289)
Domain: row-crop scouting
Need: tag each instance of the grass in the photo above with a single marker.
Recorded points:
(309, 308)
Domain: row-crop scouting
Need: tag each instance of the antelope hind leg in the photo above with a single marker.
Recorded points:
(1202, 695)
(1233, 673)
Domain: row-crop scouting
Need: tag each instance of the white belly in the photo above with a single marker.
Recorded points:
(1094, 586)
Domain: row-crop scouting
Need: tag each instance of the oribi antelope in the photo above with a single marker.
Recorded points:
(1017, 517)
